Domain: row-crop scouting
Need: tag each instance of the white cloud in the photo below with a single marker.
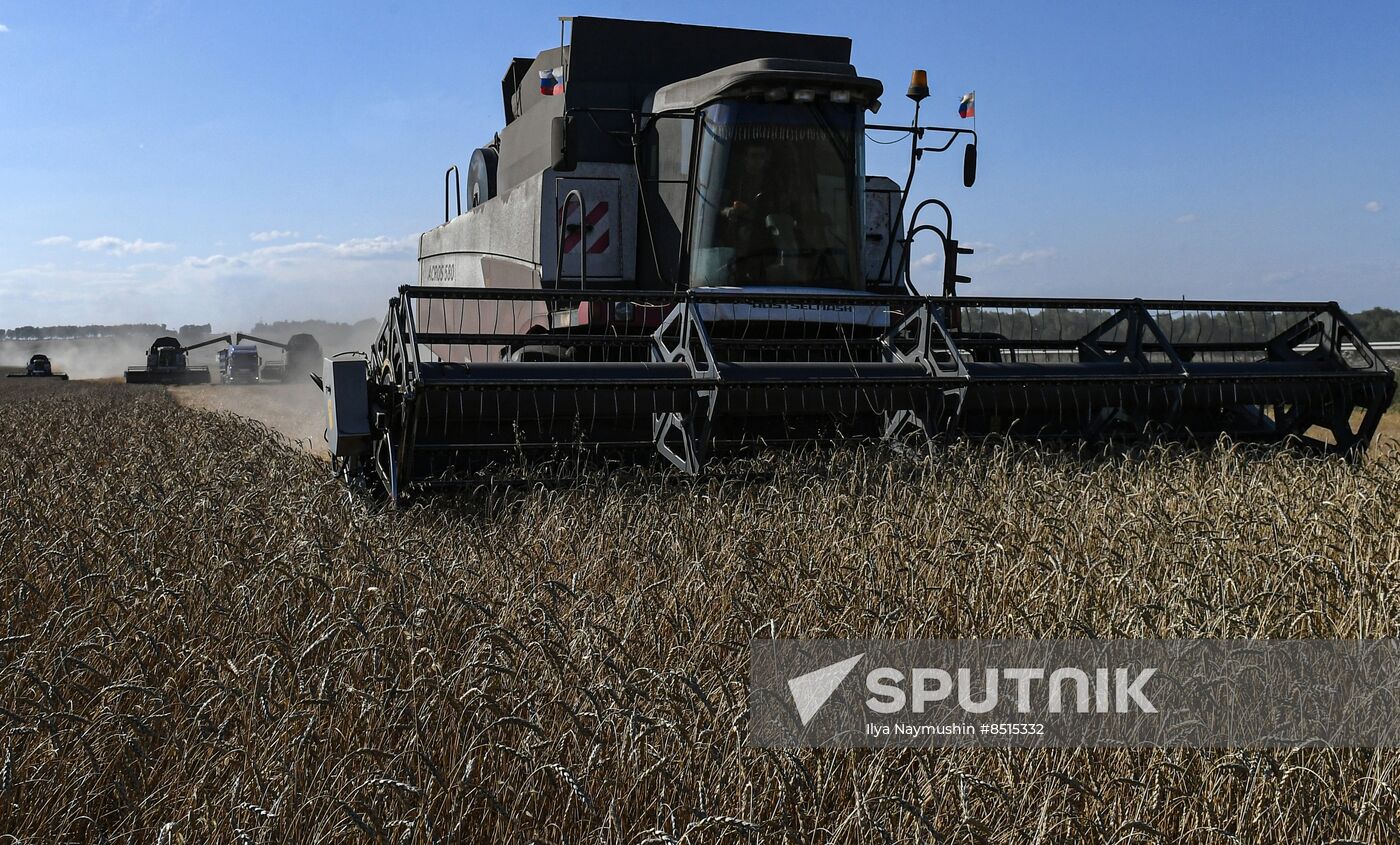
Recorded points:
(978, 247)
(353, 248)
(196, 263)
(4, 28)
(348, 280)
(1373, 206)
(117, 246)
(365, 247)
(1027, 256)
(272, 235)
(109, 244)
(1186, 218)
(42, 293)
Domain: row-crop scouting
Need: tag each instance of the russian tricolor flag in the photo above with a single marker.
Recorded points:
(552, 81)
(965, 108)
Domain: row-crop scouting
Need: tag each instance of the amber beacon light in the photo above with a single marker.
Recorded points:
(918, 85)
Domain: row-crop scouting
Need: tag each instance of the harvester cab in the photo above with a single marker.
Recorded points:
(301, 355)
(239, 363)
(39, 366)
(672, 244)
(167, 362)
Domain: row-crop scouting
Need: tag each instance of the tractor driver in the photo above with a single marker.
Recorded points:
(757, 230)
(748, 187)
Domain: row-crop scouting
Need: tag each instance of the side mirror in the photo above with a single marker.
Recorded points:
(969, 165)
(561, 136)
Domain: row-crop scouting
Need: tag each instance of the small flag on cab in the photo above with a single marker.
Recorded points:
(966, 108)
(552, 81)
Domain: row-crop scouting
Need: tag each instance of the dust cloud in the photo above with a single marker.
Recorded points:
(94, 358)
(295, 409)
(109, 357)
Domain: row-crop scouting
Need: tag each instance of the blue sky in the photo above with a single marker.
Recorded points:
(181, 161)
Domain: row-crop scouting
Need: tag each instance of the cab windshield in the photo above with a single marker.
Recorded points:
(776, 199)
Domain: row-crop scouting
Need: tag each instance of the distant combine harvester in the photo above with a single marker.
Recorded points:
(39, 366)
(167, 361)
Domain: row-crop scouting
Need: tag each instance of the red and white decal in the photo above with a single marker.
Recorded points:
(595, 225)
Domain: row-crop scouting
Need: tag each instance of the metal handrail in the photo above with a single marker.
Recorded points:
(411, 321)
(446, 194)
(583, 239)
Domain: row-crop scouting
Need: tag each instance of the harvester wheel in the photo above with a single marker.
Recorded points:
(386, 466)
(354, 471)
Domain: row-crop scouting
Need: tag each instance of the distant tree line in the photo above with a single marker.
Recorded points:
(1378, 324)
(283, 328)
(81, 332)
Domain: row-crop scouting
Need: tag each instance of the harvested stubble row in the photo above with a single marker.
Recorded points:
(206, 640)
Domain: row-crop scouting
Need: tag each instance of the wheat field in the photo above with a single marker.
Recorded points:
(206, 639)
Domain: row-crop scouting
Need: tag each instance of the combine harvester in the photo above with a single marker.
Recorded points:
(301, 355)
(672, 246)
(167, 362)
(39, 367)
